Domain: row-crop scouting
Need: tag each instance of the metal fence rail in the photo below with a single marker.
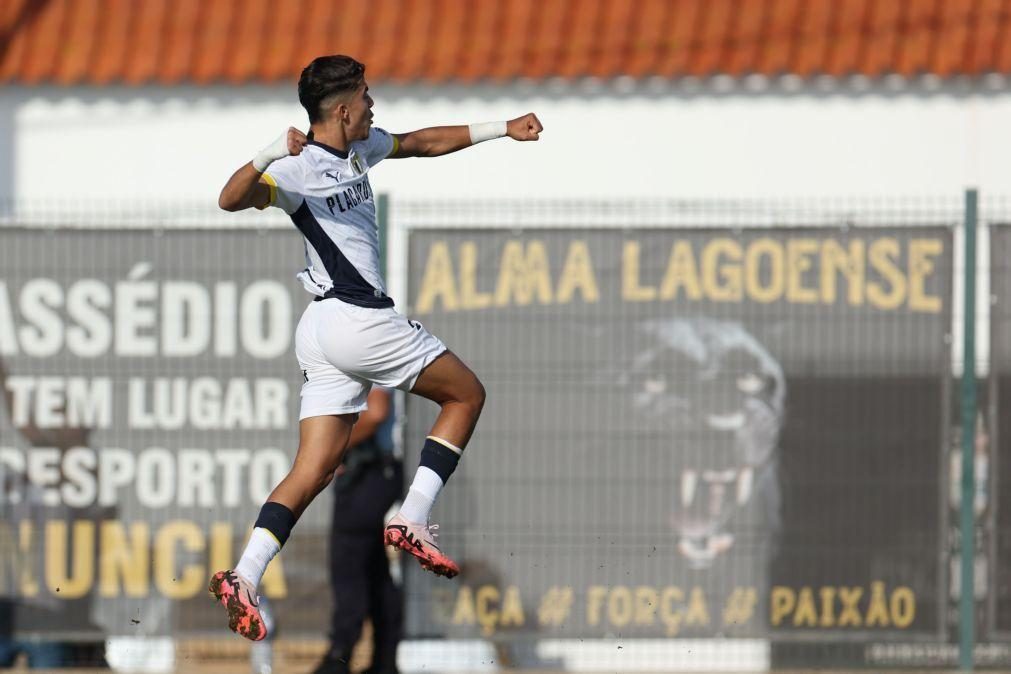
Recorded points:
(724, 434)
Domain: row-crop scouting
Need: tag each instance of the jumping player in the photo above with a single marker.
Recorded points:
(350, 337)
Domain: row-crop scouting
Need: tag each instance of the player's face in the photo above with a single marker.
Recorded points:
(360, 113)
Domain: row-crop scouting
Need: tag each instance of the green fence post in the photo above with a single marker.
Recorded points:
(967, 613)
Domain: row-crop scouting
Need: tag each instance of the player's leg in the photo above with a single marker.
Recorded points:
(448, 382)
(399, 353)
(330, 401)
(322, 441)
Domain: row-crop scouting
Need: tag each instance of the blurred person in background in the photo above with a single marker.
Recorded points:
(350, 337)
(25, 621)
(368, 483)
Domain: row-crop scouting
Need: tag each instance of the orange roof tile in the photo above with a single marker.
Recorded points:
(133, 42)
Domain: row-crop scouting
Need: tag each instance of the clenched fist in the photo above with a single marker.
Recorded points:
(527, 127)
(296, 140)
(288, 143)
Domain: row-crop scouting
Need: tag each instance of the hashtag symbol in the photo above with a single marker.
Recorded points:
(740, 606)
(555, 606)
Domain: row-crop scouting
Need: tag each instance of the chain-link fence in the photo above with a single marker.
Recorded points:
(719, 436)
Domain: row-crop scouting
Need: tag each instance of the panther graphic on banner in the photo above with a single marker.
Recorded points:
(718, 396)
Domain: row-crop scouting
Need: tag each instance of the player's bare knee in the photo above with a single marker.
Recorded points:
(472, 398)
(479, 395)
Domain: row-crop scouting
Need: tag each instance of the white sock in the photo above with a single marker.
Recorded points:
(260, 549)
(421, 497)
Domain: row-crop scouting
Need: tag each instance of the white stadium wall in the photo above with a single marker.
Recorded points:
(80, 145)
(78, 149)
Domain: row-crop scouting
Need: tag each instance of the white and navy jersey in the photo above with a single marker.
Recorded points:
(327, 194)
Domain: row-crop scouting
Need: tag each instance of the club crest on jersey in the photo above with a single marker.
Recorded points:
(356, 164)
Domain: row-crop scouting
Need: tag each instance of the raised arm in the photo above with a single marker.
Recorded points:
(439, 140)
(246, 187)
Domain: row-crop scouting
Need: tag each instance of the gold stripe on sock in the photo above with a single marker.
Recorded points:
(447, 444)
(272, 536)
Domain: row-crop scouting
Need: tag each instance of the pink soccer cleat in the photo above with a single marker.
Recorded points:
(419, 540)
(240, 599)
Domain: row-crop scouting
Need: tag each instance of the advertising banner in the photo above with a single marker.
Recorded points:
(994, 441)
(150, 405)
(691, 432)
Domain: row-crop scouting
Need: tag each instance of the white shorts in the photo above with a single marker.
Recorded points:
(344, 349)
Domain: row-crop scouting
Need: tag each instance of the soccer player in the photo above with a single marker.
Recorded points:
(350, 337)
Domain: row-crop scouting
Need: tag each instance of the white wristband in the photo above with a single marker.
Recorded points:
(486, 131)
(268, 155)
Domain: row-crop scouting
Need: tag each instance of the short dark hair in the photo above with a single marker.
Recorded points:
(325, 77)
